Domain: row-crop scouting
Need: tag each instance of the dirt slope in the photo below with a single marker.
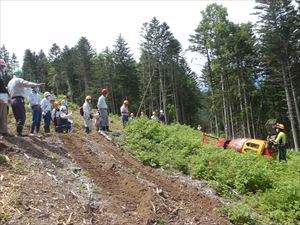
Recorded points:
(72, 179)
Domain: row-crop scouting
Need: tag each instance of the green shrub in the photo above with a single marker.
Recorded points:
(268, 190)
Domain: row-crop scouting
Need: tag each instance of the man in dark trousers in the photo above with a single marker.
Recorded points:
(161, 116)
(280, 141)
(3, 101)
(16, 89)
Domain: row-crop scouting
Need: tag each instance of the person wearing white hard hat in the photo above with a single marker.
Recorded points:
(161, 116)
(46, 111)
(64, 122)
(16, 89)
(3, 101)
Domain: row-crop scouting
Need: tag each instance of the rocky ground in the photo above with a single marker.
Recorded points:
(86, 179)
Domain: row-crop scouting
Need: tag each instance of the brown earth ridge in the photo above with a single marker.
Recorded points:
(79, 179)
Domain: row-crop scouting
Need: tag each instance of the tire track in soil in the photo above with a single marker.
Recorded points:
(133, 199)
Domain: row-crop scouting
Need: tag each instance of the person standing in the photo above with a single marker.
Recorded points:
(154, 117)
(142, 114)
(161, 116)
(46, 111)
(124, 112)
(130, 119)
(3, 101)
(280, 141)
(16, 89)
(103, 109)
(88, 114)
(35, 105)
(64, 102)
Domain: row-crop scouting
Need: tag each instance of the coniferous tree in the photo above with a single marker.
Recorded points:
(126, 79)
(278, 26)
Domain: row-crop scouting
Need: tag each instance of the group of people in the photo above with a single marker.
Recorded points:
(127, 116)
(48, 108)
(101, 115)
(14, 94)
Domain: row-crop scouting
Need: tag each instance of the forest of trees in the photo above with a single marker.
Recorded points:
(251, 74)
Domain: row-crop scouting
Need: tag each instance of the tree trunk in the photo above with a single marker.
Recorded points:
(224, 106)
(247, 113)
(241, 106)
(231, 119)
(175, 93)
(252, 121)
(212, 90)
(290, 109)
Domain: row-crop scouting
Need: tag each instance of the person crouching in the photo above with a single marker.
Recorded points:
(65, 123)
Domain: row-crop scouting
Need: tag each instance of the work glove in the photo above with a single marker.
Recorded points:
(91, 116)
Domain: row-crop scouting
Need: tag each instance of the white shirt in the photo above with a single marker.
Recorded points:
(16, 87)
(124, 110)
(64, 115)
(87, 110)
(34, 99)
(55, 113)
(45, 105)
(101, 102)
(154, 117)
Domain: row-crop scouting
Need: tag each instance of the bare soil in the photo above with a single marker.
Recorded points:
(85, 179)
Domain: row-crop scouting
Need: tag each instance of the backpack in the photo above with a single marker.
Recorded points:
(81, 110)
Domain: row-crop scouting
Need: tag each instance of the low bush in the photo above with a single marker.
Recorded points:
(269, 191)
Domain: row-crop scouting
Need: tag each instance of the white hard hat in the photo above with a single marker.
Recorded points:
(161, 111)
(46, 94)
(63, 108)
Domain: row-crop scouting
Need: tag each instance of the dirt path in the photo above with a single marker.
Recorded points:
(139, 194)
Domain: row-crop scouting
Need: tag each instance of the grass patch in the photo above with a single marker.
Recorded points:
(3, 159)
(269, 190)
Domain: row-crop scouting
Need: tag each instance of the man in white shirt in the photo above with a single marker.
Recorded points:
(46, 111)
(103, 109)
(124, 112)
(16, 89)
(35, 105)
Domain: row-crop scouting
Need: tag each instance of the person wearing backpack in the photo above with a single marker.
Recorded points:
(88, 114)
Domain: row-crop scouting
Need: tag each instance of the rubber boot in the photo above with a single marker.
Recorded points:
(32, 129)
(19, 131)
(87, 130)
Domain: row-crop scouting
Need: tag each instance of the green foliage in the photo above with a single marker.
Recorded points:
(4, 216)
(3, 159)
(268, 190)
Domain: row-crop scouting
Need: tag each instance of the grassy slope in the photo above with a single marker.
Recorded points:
(263, 191)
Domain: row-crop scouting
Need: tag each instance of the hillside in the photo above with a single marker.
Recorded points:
(85, 179)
